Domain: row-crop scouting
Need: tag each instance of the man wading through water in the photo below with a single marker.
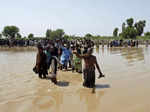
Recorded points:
(41, 65)
(89, 68)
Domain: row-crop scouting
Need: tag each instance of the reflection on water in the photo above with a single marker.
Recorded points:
(86, 98)
(19, 85)
(50, 101)
(97, 50)
(131, 55)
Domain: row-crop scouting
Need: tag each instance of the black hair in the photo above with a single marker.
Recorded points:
(39, 46)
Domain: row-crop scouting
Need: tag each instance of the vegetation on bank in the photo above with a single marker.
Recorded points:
(130, 30)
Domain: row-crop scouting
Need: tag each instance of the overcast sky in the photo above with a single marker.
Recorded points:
(76, 17)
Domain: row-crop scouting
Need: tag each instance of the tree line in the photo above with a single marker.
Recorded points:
(130, 30)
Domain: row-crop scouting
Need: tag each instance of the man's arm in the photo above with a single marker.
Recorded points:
(98, 68)
(78, 55)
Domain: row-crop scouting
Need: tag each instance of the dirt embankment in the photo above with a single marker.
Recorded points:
(29, 48)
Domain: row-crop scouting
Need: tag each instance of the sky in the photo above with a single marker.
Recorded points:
(76, 17)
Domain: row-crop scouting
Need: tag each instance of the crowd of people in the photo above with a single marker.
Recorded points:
(122, 43)
(65, 55)
(15, 42)
(109, 43)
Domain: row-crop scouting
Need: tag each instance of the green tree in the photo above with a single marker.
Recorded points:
(129, 33)
(130, 22)
(30, 36)
(25, 38)
(115, 32)
(147, 34)
(48, 33)
(60, 33)
(10, 31)
(140, 27)
(18, 35)
(88, 36)
(123, 27)
(67, 37)
(57, 34)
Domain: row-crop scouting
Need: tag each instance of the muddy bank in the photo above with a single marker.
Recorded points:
(29, 48)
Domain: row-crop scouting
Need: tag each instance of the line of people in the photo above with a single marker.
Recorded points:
(122, 43)
(67, 55)
(112, 43)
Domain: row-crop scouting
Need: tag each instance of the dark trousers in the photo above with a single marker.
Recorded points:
(42, 73)
(54, 64)
(89, 78)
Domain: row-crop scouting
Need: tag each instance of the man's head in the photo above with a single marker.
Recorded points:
(89, 51)
(68, 47)
(48, 47)
(40, 48)
(65, 45)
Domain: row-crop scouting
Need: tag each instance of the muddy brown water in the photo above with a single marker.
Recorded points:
(125, 88)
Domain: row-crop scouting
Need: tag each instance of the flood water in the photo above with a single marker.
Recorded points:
(124, 89)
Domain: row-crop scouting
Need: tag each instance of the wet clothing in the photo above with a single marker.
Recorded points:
(65, 57)
(54, 66)
(41, 64)
(53, 62)
(55, 52)
(89, 77)
(77, 63)
(48, 58)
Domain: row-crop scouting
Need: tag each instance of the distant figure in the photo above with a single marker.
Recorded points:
(125, 43)
(108, 44)
(103, 44)
(137, 43)
(65, 57)
(147, 42)
(89, 68)
(41, 65)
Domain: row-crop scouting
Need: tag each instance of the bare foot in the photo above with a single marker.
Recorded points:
(93, 90)
(101, 76)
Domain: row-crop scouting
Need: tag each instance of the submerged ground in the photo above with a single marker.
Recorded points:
(125, 88)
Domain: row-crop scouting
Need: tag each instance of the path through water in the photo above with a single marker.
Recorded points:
(125, 88)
